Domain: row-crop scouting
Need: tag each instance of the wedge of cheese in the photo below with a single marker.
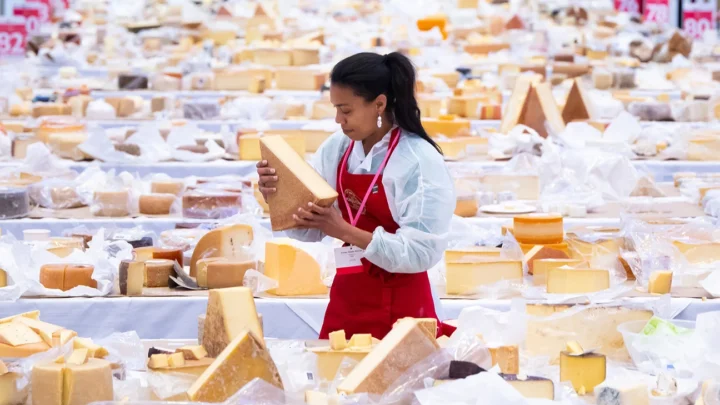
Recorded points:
(244, 359)
(230, 242)
(298, 183)
(230, 311)
(296, 272)
(466, 278)
(405, 345)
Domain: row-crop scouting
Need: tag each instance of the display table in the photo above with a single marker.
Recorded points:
(176, 317)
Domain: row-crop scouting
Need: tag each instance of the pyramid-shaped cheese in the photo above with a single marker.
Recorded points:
(298, 183)
(532, 104)
(243, 360)
(230, 312)
(577, 106)
(406, 344)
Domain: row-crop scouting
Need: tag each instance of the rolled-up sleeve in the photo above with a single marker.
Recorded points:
(422, 200)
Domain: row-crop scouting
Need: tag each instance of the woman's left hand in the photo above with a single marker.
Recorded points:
(328, 220)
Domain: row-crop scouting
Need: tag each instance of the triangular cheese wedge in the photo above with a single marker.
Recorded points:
(44, 329)
(230, 311)
(31, 315)
(298, 183)
(577, 105)
(243, 360)
(516, 105)
(540, 108)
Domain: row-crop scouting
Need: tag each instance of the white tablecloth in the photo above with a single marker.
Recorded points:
(176, 317)
(157, 225)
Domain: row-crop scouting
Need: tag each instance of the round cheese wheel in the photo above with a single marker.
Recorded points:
(538, 228)
(156, 204)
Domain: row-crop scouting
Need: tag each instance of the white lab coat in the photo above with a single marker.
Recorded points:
(420, 195)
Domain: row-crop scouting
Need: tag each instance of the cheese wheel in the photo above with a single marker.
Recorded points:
(174, 187)
(52, 276)
(226, 274)
(211, 204)
(157, 272)
(41, 110)
(538, 228)
(79, 275)
(111, 203)
(156, 204)
(168, 254)
(466, 206)
(201, 269)
(14, 202)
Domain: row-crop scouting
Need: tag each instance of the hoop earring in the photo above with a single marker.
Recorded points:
(379, 122)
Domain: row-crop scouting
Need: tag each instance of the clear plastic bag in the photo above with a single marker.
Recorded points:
(56, 194)
(16, 278)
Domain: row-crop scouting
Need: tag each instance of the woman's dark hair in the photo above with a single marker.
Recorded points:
(370, 75)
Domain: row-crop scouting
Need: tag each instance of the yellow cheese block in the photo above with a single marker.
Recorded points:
(3, 278)
(430, 107)
(463, 147)
(224, 274)
(538, 228)
(329, 360)
(236, 79)
(405, 345)
(305, 56)
(244, 359)
(542, 252)
(296, 272)
(219, 37)
(549, 329)
(111, 203)
(299, 79)
(695, 253)
(18, 334)
(273, 57)
(72, 384)
(507, 358)
(446, 125)
(542, 266)
(660, 282)
(466, 278)
(174, 187)
(466, 106)
(230, 242)
(66, 145)
(576, 281)
(584, 372)
(249, 145)
(43, 329)
(196, 352)
(471, 254)
(10, 393)
(95, 350)
(230, 311)
(298, 183)
(337, 340)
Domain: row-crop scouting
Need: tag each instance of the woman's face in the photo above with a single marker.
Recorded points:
(357, 117)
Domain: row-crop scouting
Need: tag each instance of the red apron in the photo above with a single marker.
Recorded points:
(372, 300)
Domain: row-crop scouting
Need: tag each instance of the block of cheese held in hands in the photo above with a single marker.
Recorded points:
(405, 345)
(229, 312)
(298, 183)
(295, 270)
(538, 228)
(244, 359)
(230, 242)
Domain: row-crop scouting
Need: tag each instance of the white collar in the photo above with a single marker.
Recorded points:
(358, 152)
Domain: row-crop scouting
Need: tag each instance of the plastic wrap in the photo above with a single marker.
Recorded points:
(653, 353)
(296, 365)
(14, 202)
(201, 109)
(56, 194)
(521, 139)
(16, 278)
(260, 392)
(186, 136)
(125, 349)
(497, 328)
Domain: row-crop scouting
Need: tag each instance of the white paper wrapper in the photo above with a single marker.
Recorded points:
(185, 136)
(17, 281)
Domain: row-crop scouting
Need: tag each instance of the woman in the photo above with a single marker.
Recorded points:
(395, 200)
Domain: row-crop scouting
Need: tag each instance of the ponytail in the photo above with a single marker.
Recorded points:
(370, 75)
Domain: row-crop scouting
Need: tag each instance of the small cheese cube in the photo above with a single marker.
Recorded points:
(337, 340)
(159, 361)
(660, 282)
(360, 340)
(78, 356)
(193, 352)
(176, 360)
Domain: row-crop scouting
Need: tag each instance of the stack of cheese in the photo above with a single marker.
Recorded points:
(233, 335)
(24, 335)
(541, 237)
(222, 257)
(151, 267)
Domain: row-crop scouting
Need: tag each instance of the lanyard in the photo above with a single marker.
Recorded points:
(394, 138)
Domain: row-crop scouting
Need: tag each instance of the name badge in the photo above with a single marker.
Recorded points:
(348, 260)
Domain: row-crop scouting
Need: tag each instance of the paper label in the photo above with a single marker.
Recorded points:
(13, 35)
(628, 6)
(698, 16)
(657, 11)
(348, 260)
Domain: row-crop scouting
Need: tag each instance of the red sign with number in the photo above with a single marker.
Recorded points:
(45, 9)
(657, 11)
(13, 35)
(32, 13)
(698, 17)
(629, 6)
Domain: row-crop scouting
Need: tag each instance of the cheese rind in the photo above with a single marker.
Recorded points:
(131, 277)
(156, 204)
(296, 272)
(226, 274)
(52, 276)
(538, 229)
(622, 394)
(158, 272)
(577, 281)
(47, 384)
(531, 387)
(507, 358)
(244, 359)
(298, 183)
(193, 352)
(87, 383)
(404, 346)
(229, 312)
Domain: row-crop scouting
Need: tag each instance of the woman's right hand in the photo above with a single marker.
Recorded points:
(267, 179)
